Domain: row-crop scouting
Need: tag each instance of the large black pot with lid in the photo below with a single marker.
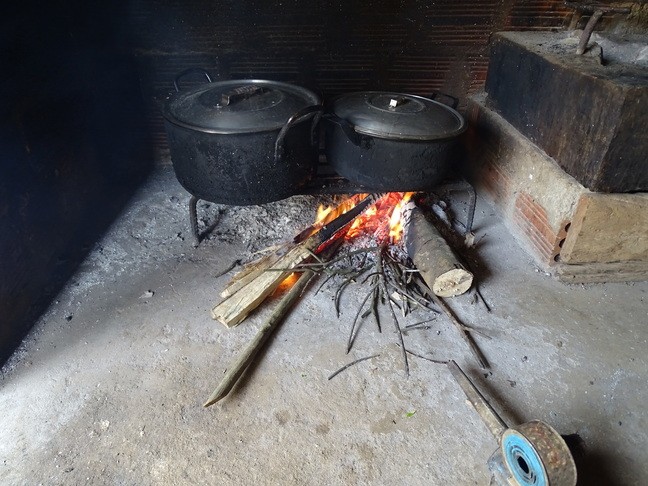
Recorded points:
(242, 142)
(388, 141)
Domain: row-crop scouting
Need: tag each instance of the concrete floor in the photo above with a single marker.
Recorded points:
(108, 387)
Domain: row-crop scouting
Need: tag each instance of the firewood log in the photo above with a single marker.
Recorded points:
(437, 263)
(237, 306)
(250, 272)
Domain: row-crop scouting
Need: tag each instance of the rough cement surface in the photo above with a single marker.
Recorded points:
(108, 387)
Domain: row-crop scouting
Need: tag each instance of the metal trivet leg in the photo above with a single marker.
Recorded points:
(463, 185)
(193, 219)
(472, 205)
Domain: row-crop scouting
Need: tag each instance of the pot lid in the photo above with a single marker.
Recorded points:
(398, 116)
(238, 106)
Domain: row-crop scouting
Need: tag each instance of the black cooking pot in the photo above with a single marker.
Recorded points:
(243, 142)
(392, 141)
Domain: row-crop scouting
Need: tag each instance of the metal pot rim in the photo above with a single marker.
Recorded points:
(309, 98)
(214, 131)
(364, 119)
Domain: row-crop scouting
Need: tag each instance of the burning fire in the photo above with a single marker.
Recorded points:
(382, 219)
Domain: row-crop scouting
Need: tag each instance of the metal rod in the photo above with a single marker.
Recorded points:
(491, 419)
(472, 205)
(587, 32)
(193, 219)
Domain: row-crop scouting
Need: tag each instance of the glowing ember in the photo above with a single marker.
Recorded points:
(381, 220)
(288, 282)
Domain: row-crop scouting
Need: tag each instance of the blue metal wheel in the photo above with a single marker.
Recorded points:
(522, 460)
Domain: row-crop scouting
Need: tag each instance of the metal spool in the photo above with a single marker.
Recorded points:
(530, 454)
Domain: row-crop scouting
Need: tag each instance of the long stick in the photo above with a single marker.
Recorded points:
(346, 366)
(462, 330)
(243, 360)
(238, 367)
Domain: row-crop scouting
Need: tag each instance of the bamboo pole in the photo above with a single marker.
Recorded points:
(243, 360)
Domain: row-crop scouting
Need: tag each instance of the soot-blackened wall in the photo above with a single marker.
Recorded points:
(72, 146)
(334, 46)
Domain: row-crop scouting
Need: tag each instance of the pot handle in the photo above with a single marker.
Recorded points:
(190, 71)
(346, 127)
(455, 101)
(241, 93)
(314, 111)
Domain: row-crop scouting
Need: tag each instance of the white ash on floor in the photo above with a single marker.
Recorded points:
(114, 395)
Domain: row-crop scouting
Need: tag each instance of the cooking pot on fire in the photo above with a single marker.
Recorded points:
(392, 141)
(242, 142)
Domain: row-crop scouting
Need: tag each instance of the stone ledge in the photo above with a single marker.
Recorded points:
(576, 234)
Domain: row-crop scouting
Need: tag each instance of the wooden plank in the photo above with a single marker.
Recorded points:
(602, 272)
(249, 273)
(608, 228)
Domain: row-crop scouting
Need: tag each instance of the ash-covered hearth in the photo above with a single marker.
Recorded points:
(128, 354)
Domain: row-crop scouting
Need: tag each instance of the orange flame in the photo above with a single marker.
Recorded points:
(327, 214)
(382, 219)
(288, 282)
(396, 220)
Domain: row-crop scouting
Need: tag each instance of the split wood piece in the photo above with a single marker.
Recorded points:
(235, 308)
(435, 260)
(238, 367)
(245, 358)
(464, 331)
(249, 273)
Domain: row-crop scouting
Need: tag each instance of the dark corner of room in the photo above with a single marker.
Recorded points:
(73, 146)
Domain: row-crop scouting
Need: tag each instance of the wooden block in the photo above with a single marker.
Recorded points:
(608, 228)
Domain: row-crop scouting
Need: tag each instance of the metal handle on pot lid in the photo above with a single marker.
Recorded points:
(240, 93)
(190, 71)
(397, 101)
(301, 115)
